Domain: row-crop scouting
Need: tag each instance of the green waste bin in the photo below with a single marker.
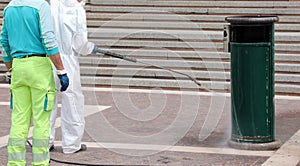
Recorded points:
(251, 40)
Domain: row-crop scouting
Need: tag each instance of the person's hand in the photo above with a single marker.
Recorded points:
(95, 50)
(8, 76)
(64, 79)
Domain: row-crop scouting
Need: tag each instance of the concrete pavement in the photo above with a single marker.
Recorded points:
(158, 127)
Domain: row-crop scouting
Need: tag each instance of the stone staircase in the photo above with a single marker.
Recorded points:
(186, 36)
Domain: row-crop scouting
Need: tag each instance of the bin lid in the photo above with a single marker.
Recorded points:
(251, 19)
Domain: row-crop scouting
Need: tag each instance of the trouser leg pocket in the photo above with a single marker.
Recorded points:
(11, 101)
(49, 102)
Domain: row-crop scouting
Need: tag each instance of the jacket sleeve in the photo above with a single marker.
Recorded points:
(80, 43)
(47, 31)
(6, 56)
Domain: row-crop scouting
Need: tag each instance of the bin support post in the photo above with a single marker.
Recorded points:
(251, 41)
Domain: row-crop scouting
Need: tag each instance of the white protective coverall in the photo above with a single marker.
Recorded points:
(70, 28)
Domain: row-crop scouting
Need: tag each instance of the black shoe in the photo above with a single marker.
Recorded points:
(51, 148)
(82, 148)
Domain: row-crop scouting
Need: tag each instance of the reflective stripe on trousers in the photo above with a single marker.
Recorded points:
(16, 150)
(32, 82)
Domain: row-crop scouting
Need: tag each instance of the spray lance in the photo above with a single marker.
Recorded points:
(130, 59)
(211, 119)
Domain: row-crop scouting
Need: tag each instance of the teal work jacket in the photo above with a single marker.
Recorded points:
(27, 29)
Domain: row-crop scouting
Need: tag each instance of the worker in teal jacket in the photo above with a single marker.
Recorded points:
(29, 47)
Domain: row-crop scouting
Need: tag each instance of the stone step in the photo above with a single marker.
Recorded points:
(287, 47)
(174, 17)
(158, 44)
(144, 82)
(170, 54)
(2, 78)
(2, 6)
(184, 25)
(142, 34)
(155, 16)
(196, 10)
(153, 73)
(159, 73)
(198, 55)
(293, 58)
(287, 36)
(178, 84)
(203, 4)
(177, 45)
(186, 64)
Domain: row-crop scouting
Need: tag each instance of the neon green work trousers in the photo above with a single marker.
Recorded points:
(32, 97)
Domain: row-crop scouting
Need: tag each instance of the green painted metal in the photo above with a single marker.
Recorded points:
(252, 82)
(252, 100)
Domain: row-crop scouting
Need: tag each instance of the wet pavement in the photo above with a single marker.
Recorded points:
(155, 127)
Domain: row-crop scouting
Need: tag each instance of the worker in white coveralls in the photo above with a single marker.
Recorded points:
(29, 45)
(70, 28)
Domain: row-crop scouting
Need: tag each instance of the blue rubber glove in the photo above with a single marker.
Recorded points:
(95, 50)
(64, 80)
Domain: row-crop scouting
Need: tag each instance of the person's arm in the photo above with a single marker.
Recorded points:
(80, 42)
(57, 61)
(5, 50)
(7, 58)
(8, 74)
(61, 73)
(8, 65)
(50, 45)
(47, 32)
